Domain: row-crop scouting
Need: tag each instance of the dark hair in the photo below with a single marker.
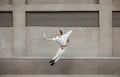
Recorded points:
(61, 32)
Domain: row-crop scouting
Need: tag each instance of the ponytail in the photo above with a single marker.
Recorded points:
(68, 40)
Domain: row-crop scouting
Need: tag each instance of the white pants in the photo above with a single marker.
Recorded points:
(58, 54)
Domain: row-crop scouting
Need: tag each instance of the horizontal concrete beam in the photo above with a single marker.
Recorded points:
(8, 66)
(63, 7)
(58, 7)
(80, 58)
(60, 76)
(6, 8)
(116, 7)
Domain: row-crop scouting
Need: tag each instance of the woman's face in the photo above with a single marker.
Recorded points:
(58, 33)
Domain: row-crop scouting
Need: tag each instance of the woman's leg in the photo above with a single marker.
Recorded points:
(60, 54)
(57, 54)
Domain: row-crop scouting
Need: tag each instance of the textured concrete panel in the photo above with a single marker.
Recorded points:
(116, 5)
(6, 19)
(84, 42)
(116, 2)
(19, 27)
(6, 41)
(62, 1)
(37, 66)
(90, 37)
(105, 15)
(62, 19)
(2, 2)
(62, 7)
(116, 19)
(60, 75)
(116, 41)
(105, 2)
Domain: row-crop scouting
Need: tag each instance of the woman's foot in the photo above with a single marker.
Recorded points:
(52, 64)
(51, 61)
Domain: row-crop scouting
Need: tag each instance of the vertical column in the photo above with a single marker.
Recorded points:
(105, 28)
(19, 27)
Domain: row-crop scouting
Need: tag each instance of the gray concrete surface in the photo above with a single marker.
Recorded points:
(62, 2)
(42, 67)
(116, 42)
(94, 41)
(63, 19)
(22, 41)
(2, 2)
(6, 19)
(6, 41)
(60, 76)
(84, 42)
(19, 27)
(105, 22)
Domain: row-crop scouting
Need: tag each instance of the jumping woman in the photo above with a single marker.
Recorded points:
(62, 39)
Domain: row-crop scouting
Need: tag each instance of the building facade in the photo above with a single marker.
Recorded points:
(94, 49)
(23, 22)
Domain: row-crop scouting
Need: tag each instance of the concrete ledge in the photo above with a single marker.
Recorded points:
(60, 76)
(38, 66)
(73, 58)
(63, 7)
(6, 8)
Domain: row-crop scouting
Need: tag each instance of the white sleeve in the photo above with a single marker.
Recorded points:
(54, 39)
(68, 33)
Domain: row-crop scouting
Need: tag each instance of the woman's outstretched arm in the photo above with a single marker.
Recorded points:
(46, 38)
(75, 29)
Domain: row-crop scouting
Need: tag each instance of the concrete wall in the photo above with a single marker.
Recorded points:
(116, 41)
(5, 2)
(25, 42)
(116, 30)
(6, 41)
(89, 41)
(64, 67)
(60, 75)
(62, 1)
(116, 2)
(83, 43)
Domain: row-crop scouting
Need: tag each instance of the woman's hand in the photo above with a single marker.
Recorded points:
(75, 29)
(45, 37)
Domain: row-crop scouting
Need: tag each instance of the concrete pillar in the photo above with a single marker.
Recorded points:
(105, 28)
(105, 2)
(19, 27)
